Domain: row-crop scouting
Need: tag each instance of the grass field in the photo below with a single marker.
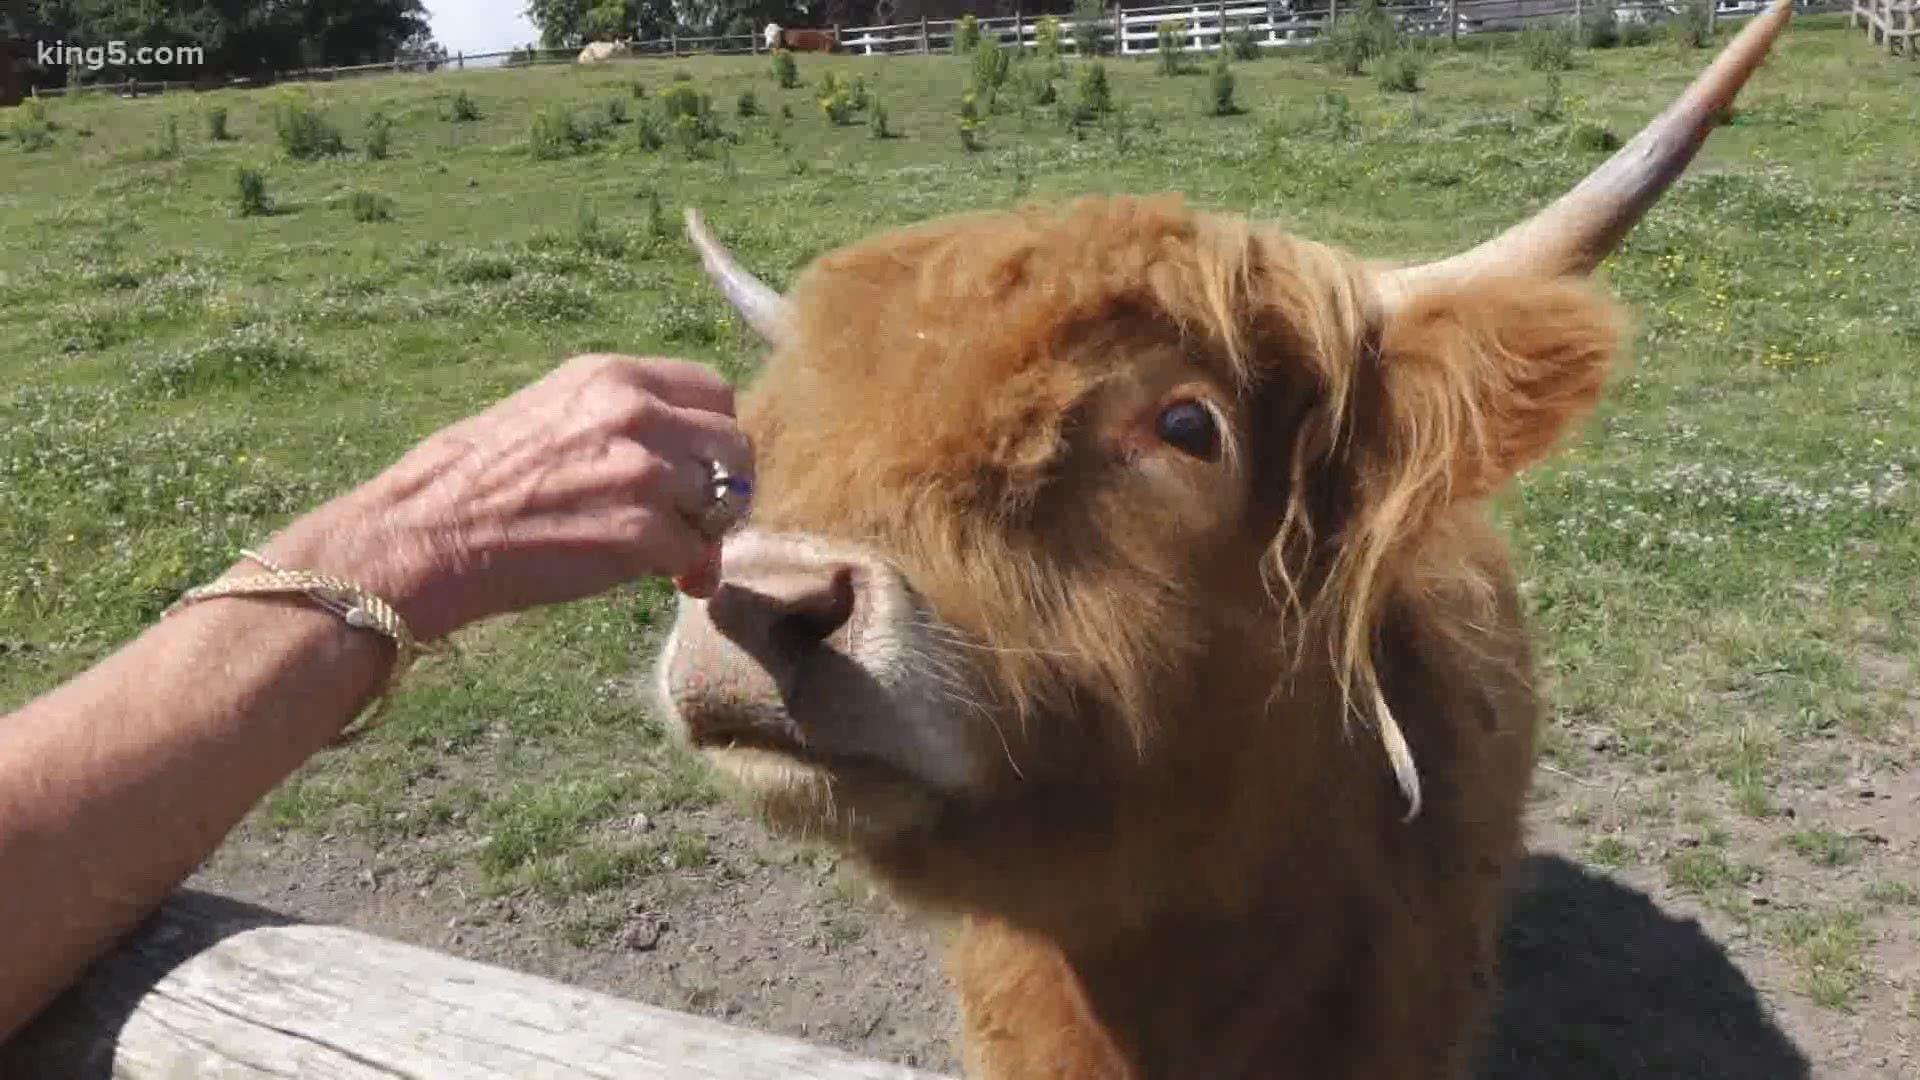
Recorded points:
(1722, 566)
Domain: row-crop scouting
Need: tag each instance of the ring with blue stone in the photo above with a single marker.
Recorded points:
(729, 496)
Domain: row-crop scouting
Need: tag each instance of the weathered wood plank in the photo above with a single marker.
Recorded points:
(217, 990)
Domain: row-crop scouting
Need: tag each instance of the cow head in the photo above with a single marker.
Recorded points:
(1079, 525)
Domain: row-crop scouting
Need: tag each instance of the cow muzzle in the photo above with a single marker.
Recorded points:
(820, 656)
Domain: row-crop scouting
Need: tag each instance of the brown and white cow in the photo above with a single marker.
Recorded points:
(1119, 581)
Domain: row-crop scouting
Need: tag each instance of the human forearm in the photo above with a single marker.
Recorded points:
(113, 787)
(116, 785)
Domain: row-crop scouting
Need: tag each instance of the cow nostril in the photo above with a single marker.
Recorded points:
(786, 612)
(815, 617)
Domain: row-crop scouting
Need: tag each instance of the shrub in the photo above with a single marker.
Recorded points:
(379, 136)
(31, 128)
(169, 145)
(682, 101)
(217, 124)
(556, 134)
(1635, 33)
(251, 193)
(966, 34)
(1090, 27)
(1242, 42)
(1366, 35)
(1693, 29)
(1547, 48)
(990, 66)
(1170, 33)
(1046, 37)
(650, 132)
(1599, 25)
(683, 76)
(1593, 138)
(591, 238)
(1334, 113)
(1221, 95)
(836, 99)
(786, 73)
(747, 105)
(303, 132)
(1092, 95)
(970, 122)
(1400, 72)
(464, 108)
(657, 225)
(637, 89)
(1550, 106)
(367, 206)
(616, 111)
(877, 122)
(1037, 89)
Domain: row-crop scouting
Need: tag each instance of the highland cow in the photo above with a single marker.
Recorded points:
(1119, 582)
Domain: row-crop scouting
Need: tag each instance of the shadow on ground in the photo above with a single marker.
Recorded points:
(1600, 983)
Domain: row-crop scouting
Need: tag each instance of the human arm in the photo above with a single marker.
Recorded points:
(115, 785)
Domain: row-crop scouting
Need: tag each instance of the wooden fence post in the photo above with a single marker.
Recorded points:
(1713, 16)
(673, 42)
(1119, 31)
(1577, 15)
(460, 60)
(1273, 23)
(1223, 27)
(926, 45)
(1333, 13)
(1019, 33)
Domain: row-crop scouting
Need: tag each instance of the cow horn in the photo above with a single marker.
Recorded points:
(764, 309)
(1582, 227)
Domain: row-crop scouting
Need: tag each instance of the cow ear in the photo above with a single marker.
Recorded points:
(1475, 382)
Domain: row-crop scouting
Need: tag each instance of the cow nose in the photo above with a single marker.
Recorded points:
(776, 613)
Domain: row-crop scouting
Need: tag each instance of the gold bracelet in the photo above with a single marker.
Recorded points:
(356, 606)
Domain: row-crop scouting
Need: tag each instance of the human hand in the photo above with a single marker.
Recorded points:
(590, 477)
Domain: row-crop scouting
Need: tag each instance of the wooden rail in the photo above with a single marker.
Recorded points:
(1892, 24)
(218, 990)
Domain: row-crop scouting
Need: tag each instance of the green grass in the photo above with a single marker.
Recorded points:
(1825, 848)
(1830, 949)
(182, 379)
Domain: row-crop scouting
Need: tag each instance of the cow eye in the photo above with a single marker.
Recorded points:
(1189, 426)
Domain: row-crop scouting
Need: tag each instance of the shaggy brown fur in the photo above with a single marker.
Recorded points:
(1194, 862)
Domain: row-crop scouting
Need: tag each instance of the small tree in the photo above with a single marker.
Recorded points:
(251, 193)
(379, 136)
(1221, 96)
(217, 124)
(1090, 28)
(1171, 35)
(785, 72)
(1046, 38)
(966, 34)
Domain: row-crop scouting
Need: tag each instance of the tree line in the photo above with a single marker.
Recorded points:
(237, 38)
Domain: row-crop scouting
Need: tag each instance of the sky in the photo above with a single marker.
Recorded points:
(479, 26)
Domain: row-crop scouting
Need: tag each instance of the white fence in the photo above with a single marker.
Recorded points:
(1127, 31)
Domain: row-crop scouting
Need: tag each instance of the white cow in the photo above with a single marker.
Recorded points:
(602, 51)
(773, 36)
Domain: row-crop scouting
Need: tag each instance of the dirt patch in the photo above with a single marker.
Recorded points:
(755, 937)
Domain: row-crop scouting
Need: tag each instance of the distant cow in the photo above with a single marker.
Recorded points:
(799, 40)
(602, 51)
